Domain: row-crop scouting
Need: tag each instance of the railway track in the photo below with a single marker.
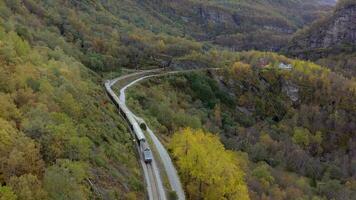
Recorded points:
(153, 180)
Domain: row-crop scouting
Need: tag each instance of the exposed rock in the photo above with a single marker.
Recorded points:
(291, 90)
(244, 111)
(215, 15)
(334, 34)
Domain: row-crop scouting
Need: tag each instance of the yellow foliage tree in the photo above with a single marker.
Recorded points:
(28, 187)
(6, 193)
(207, 169)
(18, 154)
(241, 71)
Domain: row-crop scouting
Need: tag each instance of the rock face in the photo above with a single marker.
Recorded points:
(214, 15)
(332, 35)
(291, 90)
(340, 29)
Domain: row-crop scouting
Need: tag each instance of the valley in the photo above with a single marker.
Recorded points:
(177, 99)
(261, 117)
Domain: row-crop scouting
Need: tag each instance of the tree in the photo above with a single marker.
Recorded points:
(217, 115)
(241, 71)
(208, 170)
(263, 174)
(18, 154)
(331, 189)
(28, 187)
(301, 136)
(6, 193)
(8, 108)
(64, 181)
(23, 158)
(14, 5)
(78, 148)
(161, 46)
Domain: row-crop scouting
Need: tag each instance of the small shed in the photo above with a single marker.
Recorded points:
(285, 66)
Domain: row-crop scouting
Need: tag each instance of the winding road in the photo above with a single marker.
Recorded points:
(152, 174)
(155, 187)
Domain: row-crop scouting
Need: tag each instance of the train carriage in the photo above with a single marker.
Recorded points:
(146, 153)
(126, 114)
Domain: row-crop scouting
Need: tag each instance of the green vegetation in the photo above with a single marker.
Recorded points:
(103, 35)
(107, 35)
(242, 24)
(59, 136)
(343, 63)
(296, 126)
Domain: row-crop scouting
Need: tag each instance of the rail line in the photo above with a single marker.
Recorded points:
(153, 180)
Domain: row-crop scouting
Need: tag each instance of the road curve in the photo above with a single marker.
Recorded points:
(171, 172)
(151, 172)
(156, 186)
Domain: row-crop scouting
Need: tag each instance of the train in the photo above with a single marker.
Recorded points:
(134, 125)
(146, 152)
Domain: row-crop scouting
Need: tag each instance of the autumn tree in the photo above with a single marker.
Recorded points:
(207, 169)
(301, 136)
(18, 154)
(6, 193)
(8, 108)
(64, 180)
(28, 187)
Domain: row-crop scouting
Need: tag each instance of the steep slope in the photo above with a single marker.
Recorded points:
(296, 125)
(60, 138)
(103, 35)
(106, 34)
(330, 36)
(333, 34)
(58, 133)
(241, 25)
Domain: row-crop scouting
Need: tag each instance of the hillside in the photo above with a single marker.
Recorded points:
(333, 36)
(274, 133)
(106, 34)
(241, 25)
(295, 127)
(59, 136)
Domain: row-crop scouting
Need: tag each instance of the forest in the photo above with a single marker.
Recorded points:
(107, 35)
(59, 136)
(294, 126)
(275, 127)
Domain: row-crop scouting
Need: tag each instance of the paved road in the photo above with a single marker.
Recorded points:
(152, 175)
(171, 172)
(168, 165)
(151, 172)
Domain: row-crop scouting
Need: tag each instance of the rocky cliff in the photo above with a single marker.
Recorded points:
(332, 35)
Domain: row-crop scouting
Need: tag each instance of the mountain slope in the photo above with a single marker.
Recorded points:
(333, 36)
(59, 136)
(295, 127)
(106, 34)
(241, 25)
(335, 33)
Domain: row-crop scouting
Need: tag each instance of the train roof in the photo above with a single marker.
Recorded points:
(136, 128)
